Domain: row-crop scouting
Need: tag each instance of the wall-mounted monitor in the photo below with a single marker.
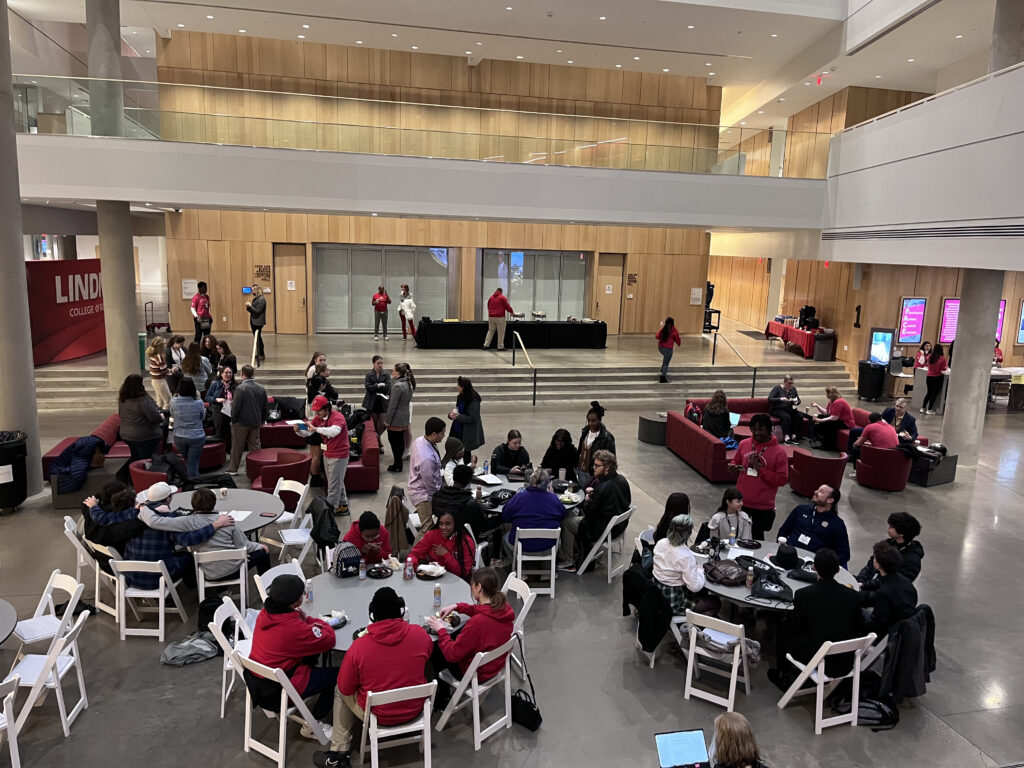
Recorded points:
(911, 327)
(246, 290)
(951, 315)
(880, 351)
(999, 323)
(1020, 324)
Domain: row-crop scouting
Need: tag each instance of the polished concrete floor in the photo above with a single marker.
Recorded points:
(601, 703)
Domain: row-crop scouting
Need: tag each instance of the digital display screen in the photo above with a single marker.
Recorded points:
(1020, 325)
(881, 346)
(682, 748)
(246, 290)
(951, 315)
(999, 323)
(912, 321)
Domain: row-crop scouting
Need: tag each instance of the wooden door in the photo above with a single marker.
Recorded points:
(290, 287)
(609, 290)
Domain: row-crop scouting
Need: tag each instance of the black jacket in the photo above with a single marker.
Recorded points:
(894, 600)
(257, 310)
(470, 426)
(908, 425)
(910, 656)
(249, 406)
(566, 459)
(824, 610)
(503, 459)
(912, 552)
(605, 441)
(371, 401)
(778, 395)
(463, 506)
(611, 497)
(717, 424)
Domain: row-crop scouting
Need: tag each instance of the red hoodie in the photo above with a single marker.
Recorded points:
(423, 552)
(392, 655)
(354, 536)
(486, 630)
(772, 466)
(498, 305)
(285, 639)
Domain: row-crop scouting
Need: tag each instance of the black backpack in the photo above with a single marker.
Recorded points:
(879, 714)
(325, 531)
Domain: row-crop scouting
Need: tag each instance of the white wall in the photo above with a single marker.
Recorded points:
(963, 71)
(868, 18)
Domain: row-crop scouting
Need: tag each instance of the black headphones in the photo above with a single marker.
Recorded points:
(401, 605)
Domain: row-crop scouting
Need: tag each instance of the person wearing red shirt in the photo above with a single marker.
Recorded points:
(285, 637)
(201, 312)
(762, 468)
(380, 303)
(497, 307)
(370, 538)
(490, 625)
(831, 419)
(878, 433)
(333, 431)
(392, 654)
(668, 340)
(936, 366)
(997, 356)
(449, 544)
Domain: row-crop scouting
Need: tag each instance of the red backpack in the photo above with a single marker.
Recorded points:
(693, 413)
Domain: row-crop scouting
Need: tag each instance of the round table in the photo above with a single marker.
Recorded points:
(9, 619)
(256, 503)
(353, 596)
(514, 485)
(651, 428)
(738, 594)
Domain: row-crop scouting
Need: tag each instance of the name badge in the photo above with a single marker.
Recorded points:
(824, 523)
(804, 539)
(752, 471)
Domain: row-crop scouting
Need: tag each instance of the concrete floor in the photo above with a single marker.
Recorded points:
(601, 703)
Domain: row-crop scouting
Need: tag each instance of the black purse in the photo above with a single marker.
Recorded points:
(524, 705)
(768, 585)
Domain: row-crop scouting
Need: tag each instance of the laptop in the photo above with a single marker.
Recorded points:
(682, 749)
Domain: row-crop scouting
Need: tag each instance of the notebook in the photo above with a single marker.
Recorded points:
(682, 749)
(239, 515)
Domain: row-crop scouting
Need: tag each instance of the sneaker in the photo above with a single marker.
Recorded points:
(922, 410)
(568, 567)
(233, 474)
(307, 732)
(663, 380)
(327, 759)
(486, 349)
(386, 338)
(497, 562)
(852, 475)
(341, 510)
(930, 413)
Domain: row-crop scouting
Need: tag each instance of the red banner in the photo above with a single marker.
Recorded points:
(65, 302)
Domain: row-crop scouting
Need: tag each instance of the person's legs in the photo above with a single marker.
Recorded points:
(199, 331)
(238, 433)
(492, 328)
(189, 455)
(401, 322)
(396, 437)
(323, 682)
(412, 327)
(162, 394)
(797, 420)
(501, 332)
(182, 567)
(761, 521)
(347, 715)
(785, 421)
(340, 472)
(376, 324)
(425, 512)
(260, 560)
(252, 438)
(334, 484)
(855, 432)
(829, 433)
(666, 357)
(567, 545)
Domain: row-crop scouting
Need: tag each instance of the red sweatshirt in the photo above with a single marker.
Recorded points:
(498, 305)
(772, 466)
(392, 655)
(380, 301)
(334, 447)
(354, 536)
(842, 411)
(423, 552)
(673, 338)
(284, 639)
(486, 630)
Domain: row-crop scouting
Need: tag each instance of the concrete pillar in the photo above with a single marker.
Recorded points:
(775, 281)
(117, 271)
(106, 99)
(18, 409)
(967, 393)
(67, 249)
(1007, 35)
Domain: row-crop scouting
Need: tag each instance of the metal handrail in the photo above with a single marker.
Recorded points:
(714, 350)
(529, 362)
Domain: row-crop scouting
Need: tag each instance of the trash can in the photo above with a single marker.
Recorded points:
(870, 380)
(13, 480)
(825, 347)
(143, 343)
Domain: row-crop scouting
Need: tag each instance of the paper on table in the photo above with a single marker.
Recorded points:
(489, 479)
(239, 515)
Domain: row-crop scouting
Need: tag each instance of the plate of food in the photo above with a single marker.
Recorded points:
(450, 622)
(568, 497)
(379, 571)
(430, 571)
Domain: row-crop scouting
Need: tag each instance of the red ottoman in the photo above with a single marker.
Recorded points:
(289, 465)
(213, 456)
(142, 478)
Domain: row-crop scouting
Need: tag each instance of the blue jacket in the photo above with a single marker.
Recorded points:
(533, 508)
(822, 530)
(72, 466)
(908, 425)
(152, 545)
(188, 416)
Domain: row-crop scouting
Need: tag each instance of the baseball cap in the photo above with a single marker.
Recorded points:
(319, 403)
(156, 492)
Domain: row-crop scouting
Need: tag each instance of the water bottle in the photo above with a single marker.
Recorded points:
(437, 598)
(732, 536)
(362, 567)
(750, 577)
(309, 591)
(409, 570)
(487, 467)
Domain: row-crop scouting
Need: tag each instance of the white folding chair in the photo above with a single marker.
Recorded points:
(128, 595)
(814, 670)
(37, 671)
(473, 691)
(241, 643)
(607, 544)
(520, 588)
(219, 556)
(263, 582)
(45, 624)
(8, 690)
(298, 535)
(287, 519)
(291, 707)
(551, 554)
(479, 560)
(324, 558)
(414, 524)
(84, 558)
(395, 734)
(727, 634)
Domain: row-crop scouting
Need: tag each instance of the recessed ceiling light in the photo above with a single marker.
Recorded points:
(910, 61)
(241, 32)
(774, 35)
(148, 51)
(558, 50)
(394, 34)
(618, 66)
(519, 57)
(479, 43)
(415, 47)
(760, 111)
(958, 37)
(665, 69)
(469, 53)
(782, 98)
(601, 18)
(209, 17)
(34, 82)
(359, 42)
(373, 214)
(302, 37)
(743, 122)
(305, 26)
(707, 63)
(689, 26)
(878, 77)
(508, 7)
(181, 26)
(148, 203)
(711, 74)
(636, 58)
(570, 61)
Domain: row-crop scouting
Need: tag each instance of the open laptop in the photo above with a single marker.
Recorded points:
(682, 749)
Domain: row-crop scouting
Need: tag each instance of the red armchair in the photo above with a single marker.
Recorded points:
(213, 456)
(887, 469)
(142, 478)
(289, 465)
(363, 474)
(807, 471)
(280, 435)
(860, 418)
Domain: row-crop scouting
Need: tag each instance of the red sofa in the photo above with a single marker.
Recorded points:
(807, 471)
(701, 450)
(107, 431)
(280, 435)
(744, 406)
(887, 469)
(363, 474)
(142, 478)
(288, 465)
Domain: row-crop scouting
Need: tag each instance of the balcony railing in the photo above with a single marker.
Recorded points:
(213, 115)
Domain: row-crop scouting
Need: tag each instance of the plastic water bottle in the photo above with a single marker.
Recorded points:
(437, 598)
(409, 570)
(362, 567)
(750, 577)
(309, 591)
(487, 467)
(732, 536)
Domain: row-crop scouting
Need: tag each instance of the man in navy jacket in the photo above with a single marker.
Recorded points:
(817, 525)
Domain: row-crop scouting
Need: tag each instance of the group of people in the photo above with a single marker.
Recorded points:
(202, 315)
(380, 301)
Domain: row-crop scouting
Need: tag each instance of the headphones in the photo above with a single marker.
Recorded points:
(401, 605)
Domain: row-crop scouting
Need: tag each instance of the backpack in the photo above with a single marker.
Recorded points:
(693, 412)
(199, 646)
(877, 714)
(725, 572)
(346, 560)
(325, 531)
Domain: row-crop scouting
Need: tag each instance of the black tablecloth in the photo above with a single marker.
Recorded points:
(539, 335)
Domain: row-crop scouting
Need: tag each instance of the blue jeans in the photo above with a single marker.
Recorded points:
(666, 357)
(190, 448)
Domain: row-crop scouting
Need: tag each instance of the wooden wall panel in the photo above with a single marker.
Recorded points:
(741, 288)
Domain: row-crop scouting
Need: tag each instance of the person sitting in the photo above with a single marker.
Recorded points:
(392, 654)
(878, 433)
(449, 544)
(509, 458)
(824, 610)
(762, 467)
(904, 423)
(730, 519)
(318, 385)
(677, 573)
(606, 495)
(533, 507)
(454, 455)
(903, 532)
(831, 419)
(370, 538)
(782, 404)
(458, 499)
(490, 625)
(895, 599)
(817, 525)
(229, 537)
(715, 418)
(561, 455)
(226, 358)
(286, 638)
(734, 745)
(110, 518)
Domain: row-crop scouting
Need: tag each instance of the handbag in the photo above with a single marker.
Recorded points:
(746, 561)
(728, 573)
(205, 323)
(524, 705)
(768, 585)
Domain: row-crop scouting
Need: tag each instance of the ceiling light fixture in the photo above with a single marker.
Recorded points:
(807, 83)
(508, 7)
(910, 61)
(618, 66)
(760, 111)
(148, 51)
(415, 47)
(743, 122)
(636, 58)
(707, 63)
(394, 34)
(241, 32)
(373, 214)
(209, 17)
(570, 61)
(359, 42)
(305, 26)
(181, 26)
(958, 37)
(774, 35)
(302, 37)
(689, 26)
(479, 43)
(782, 98)
(878, 77)
(519, 57)
(469, 53)
(665, 69)
(601, 18)
(711, 74)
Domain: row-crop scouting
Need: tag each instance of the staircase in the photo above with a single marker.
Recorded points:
(58, 389)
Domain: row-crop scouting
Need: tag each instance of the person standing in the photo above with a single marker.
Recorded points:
(399, 412)
(425, 470)
(406, 312)
(257, 309)
(782, 404)
(668, 340)
(201, 315)
(219, 396)
(158, 371)
(380, 303)
(141, 420)
(497, 307)
(249, 410)
(921, 360)
(378, 390)
(331, 426)
(595, 437)
(195, 367)
(762, 468)
(188, 411)
(465, 417)
(936, 366)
